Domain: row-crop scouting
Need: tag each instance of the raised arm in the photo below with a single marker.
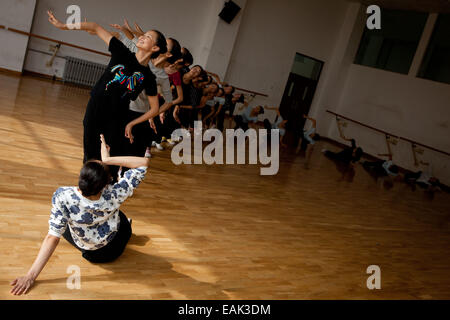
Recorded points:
(215, 76)
(129, 162)
(313, 121)
(91, 27)
(127, 32)
(138, 32)
(23, 284)
(203, 101)
(180, 97)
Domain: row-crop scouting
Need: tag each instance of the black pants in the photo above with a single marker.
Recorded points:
(92, 125)
(412, 175)
(205, 111)
(142, 133)
(240, 123)
(187, 117)
(376, 167)
(342, 156)
(162, 129)
(221, 118)
(112, 125)
(112, 250)
(170, 123)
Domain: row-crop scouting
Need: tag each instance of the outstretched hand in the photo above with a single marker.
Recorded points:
(138, 29)
(126, 24)
(175, 115)
(129, 133)
(152, 125)
(21, 285)
(52, 19)
(116, 26)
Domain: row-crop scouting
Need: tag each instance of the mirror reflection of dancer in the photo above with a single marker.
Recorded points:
(382, 167)
(88, 216)
(279, 123)
(249, 115)
(423, 179)
(308, 139)
(349, 155)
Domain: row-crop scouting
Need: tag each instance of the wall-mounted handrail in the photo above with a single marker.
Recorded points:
(252, 92)
(91, 50)
(54, 40)
(390, 134)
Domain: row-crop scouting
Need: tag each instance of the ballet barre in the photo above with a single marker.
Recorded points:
(388, 135)
(53, 40)
(252, 92)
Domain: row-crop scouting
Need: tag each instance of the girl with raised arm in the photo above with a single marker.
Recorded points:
(127, 74)
(88, 216)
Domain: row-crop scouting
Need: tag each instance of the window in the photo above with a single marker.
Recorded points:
(393, 46)
(307, 67)
(436, 62)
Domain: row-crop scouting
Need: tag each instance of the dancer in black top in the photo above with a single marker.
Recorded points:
(349, 155)
(126, 76)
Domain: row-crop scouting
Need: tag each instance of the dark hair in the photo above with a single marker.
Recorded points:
(220, 89)
(316, 137)
(358, 153)
(187, 56)
(94, 176)
(161, 43)
(175, 51)
(434, 182)
(261, 108)
(217, 87)
(204, 76)
(393, 169)
(202, 72)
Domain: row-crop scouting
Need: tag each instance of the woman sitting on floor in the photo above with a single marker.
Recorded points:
(88, 216)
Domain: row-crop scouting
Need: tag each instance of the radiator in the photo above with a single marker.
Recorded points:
(82, 72)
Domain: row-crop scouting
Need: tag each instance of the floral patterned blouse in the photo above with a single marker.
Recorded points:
(92, 223)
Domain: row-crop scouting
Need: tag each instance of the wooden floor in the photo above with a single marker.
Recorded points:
(214, 232)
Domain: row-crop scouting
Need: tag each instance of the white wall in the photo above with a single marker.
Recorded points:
(270, 34)
(223, 40)
(18, 15)
(189, 22)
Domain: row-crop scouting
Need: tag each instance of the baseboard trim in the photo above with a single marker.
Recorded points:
(10, 72)
(41, 75)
